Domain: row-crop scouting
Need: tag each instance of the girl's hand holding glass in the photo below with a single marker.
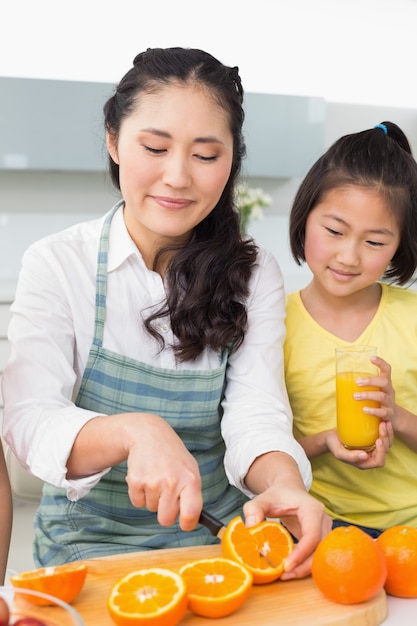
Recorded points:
(362, 459)
(386, 394)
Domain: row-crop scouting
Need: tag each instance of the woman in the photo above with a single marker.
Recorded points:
(147, 346)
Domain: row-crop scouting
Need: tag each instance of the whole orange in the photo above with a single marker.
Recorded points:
(349, 566)
(399, 545)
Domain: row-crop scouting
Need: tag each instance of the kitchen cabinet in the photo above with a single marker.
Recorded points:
(57, 125)
(52, 124)
(284, 134)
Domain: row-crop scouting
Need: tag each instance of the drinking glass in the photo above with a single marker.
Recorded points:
(357, 430)
(24, 603)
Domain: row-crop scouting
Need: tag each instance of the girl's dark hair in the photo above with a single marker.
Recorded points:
(208, 278)
(380, 159)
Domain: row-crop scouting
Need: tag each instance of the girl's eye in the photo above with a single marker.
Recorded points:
(376, 244)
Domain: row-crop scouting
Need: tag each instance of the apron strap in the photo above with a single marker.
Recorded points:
(101, 277)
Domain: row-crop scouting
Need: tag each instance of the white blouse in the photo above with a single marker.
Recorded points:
(51, 332)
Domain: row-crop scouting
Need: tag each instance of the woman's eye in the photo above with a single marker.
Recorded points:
(376, 244)
(154, 150)
(206, 159)
(332, 232)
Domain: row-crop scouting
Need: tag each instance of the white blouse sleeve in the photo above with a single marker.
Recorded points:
(257, 415)
(41, 421)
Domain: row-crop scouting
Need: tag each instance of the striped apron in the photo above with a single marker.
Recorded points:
(104, 521)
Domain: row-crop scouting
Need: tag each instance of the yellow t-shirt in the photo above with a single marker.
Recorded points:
(377, 498)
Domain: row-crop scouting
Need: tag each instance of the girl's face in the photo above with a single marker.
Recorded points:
(175, 155)
(351, 237)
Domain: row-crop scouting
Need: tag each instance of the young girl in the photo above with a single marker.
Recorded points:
(354, 222)
(147, 373)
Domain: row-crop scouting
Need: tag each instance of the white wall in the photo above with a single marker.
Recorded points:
(358, 54)
(346, 51)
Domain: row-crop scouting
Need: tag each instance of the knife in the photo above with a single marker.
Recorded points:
(215, 526)
(217, 529)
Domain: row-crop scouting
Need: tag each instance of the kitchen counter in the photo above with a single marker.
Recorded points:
(401, 612)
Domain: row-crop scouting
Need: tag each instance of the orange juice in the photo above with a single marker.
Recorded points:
(357, 430)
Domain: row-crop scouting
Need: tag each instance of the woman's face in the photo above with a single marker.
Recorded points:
(175, 155)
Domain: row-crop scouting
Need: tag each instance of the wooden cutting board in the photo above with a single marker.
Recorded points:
(289, 603)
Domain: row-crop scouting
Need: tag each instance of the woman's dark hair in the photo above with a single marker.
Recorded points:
(208, 278)
(380, 159)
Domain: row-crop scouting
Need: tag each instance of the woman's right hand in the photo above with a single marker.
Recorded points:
(361, 458)
(162, 475)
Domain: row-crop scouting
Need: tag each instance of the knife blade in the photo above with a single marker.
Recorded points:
(217, 529)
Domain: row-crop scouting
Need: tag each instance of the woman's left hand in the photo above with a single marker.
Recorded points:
(287, 499)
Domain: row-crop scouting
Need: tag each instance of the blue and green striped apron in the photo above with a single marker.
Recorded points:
(104, 521)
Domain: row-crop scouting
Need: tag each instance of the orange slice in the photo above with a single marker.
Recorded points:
(216, 587)
(61, 581)
(154, 597)
(262, 548)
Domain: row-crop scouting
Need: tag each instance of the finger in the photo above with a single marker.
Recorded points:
(152, 500)
(298, 563)
(137, 497)
(384, 367)
(256, 510)
(385, 435)
(301, 571)
(381, 446)
(142, 494)
(390, 431)
(168, 508)
(190, 503)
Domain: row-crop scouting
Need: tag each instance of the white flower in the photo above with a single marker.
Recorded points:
(250, 203)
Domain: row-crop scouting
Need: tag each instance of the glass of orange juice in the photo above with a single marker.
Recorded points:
(357, 430)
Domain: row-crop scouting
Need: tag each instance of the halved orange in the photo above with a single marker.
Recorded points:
(61, 581)
(262, 548)
(155, 596)
(216, 587)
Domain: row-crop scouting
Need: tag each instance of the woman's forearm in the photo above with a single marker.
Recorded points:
(272, 468)
(98, 445)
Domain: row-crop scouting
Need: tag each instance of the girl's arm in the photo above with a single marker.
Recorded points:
(405, 427)
(328, 441)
